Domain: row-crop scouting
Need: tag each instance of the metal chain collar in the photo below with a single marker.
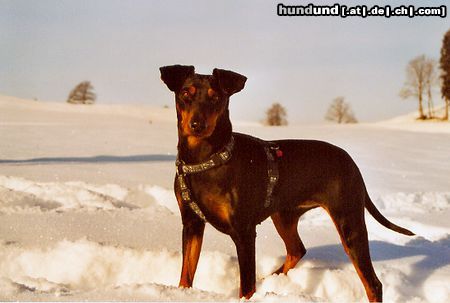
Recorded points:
(216, 159)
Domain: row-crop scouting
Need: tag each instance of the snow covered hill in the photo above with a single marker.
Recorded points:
(409, 122)
(87, 211)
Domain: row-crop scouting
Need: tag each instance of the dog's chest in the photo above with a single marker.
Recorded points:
(217, 196)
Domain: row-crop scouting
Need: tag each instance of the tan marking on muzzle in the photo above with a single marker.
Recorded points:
(185, 119)
(193, 141)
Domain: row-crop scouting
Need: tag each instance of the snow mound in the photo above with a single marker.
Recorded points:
(22, 195)
(409, 122)
(84, 265)
(164, 197)
(18, 194)
(70, 267)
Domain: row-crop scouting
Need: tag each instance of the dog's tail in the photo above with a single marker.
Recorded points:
(382, 219)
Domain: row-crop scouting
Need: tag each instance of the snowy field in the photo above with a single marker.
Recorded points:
(87, 211)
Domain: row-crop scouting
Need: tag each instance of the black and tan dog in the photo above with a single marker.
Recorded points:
(235, 181)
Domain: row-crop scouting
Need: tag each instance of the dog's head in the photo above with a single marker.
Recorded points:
(201, 100)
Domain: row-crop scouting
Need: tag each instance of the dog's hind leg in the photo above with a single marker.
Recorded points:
(352, 230)
(286, 223)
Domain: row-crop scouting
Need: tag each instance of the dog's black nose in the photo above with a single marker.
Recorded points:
(197, 127)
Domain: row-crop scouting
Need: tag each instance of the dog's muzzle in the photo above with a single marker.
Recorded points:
(197, 127)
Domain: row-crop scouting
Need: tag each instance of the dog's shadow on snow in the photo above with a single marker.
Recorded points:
(432, 256)
(94, 159)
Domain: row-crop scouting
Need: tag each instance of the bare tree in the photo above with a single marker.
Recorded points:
(444, 64)
(340, 112)
(419, 80)
(431, 80)
(276, 115)
(82, 94)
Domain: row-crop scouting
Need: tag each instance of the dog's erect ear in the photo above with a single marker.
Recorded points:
(230, 82)
(175, 75)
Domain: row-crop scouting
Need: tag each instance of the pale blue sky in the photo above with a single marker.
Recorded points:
(48, 46)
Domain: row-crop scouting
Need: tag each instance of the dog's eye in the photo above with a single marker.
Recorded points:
(185, 95)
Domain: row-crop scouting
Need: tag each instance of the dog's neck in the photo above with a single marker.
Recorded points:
(194, 150)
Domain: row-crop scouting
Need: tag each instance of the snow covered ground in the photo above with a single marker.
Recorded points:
(87, 211)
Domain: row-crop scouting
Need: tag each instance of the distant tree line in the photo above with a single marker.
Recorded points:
(422, 75)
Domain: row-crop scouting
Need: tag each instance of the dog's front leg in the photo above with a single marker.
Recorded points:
(245, 246)
(193, 229)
